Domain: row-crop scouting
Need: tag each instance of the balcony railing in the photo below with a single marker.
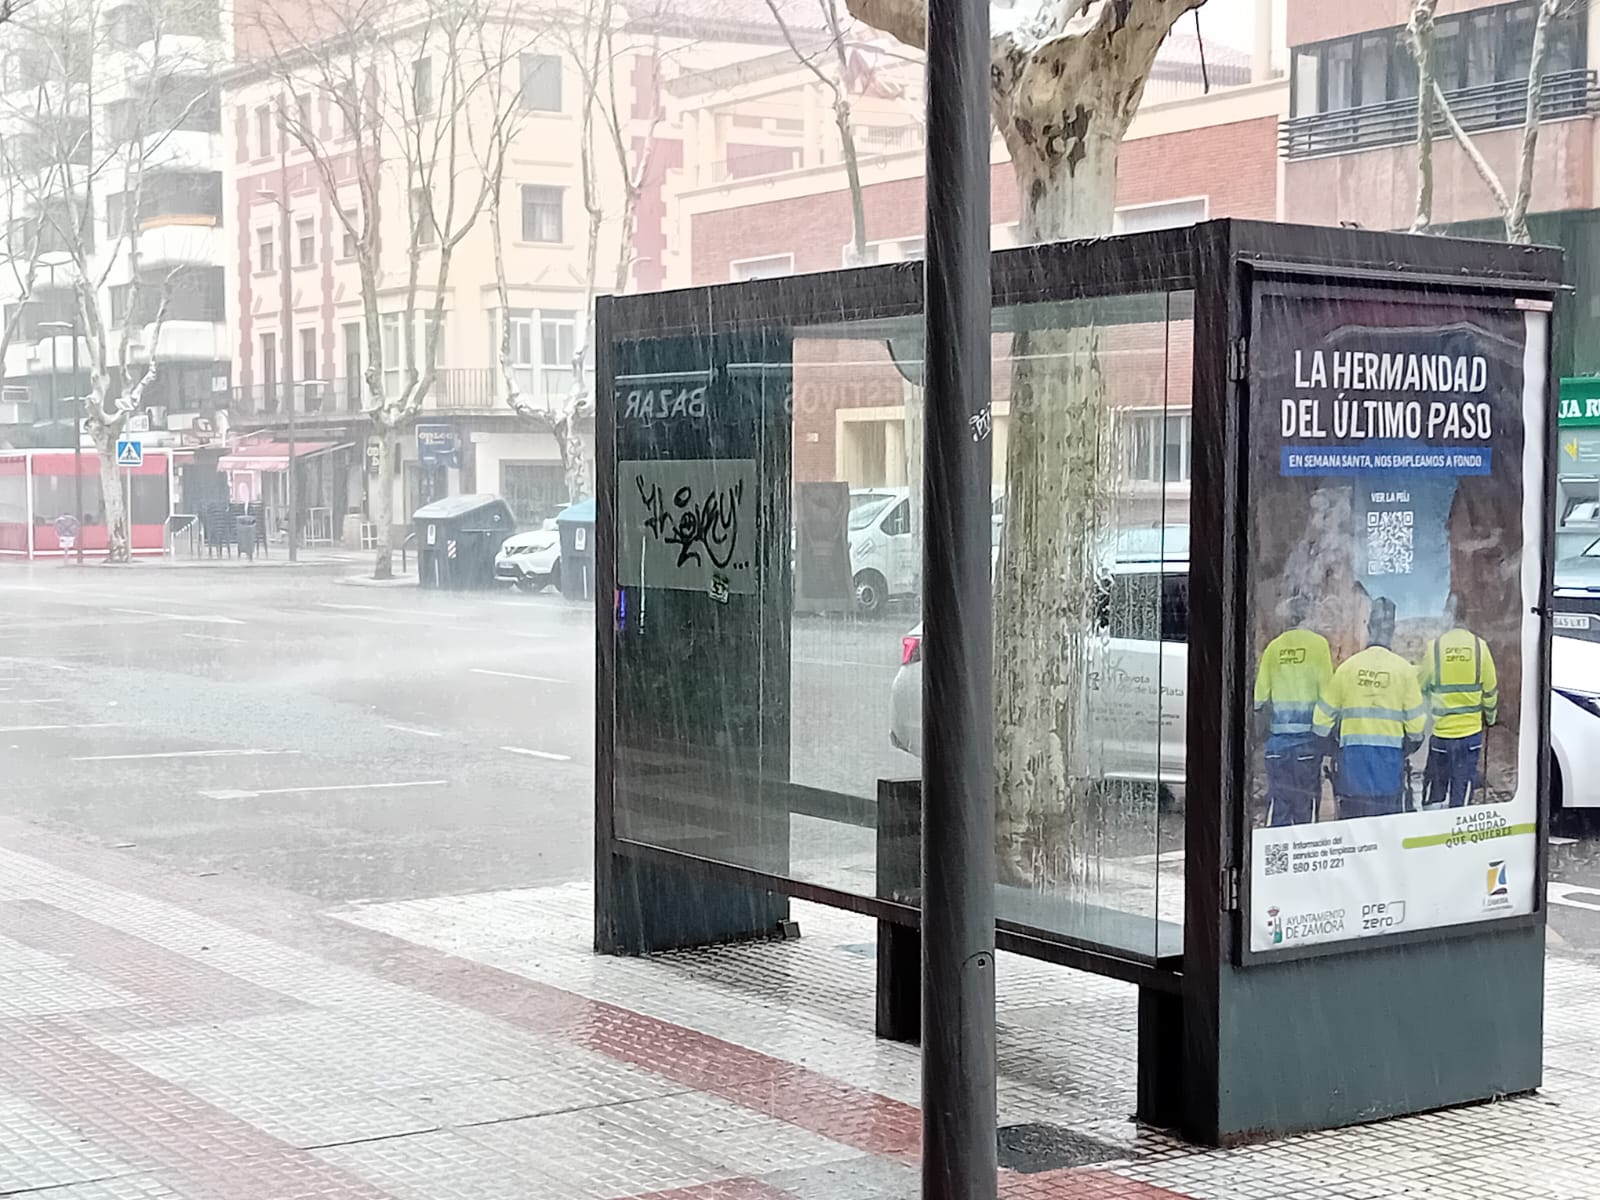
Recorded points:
(1491, 106)
(333, 397)
(479, 389)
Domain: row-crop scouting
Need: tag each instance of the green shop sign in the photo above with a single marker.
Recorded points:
(1580, 402)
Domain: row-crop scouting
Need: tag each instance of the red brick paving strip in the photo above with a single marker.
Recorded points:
(193, 1147)
(180, 988)
(843, 1113)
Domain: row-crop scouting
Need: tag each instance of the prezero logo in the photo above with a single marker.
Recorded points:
(1383, 914)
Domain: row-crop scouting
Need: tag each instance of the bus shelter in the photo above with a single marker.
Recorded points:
(1297, 811)
(39, 486)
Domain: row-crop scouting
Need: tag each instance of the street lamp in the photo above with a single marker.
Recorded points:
(77, 429)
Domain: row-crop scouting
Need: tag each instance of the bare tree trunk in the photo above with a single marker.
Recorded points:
(1470, 149)
(119, 541)
(383, 503)
(1058, 480)
(1517, 213)
(1420, 32)
(1065, 81)
(841, 114)
(1513, 206)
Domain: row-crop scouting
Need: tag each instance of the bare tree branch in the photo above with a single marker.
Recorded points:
(1419, 33)
(437, 130)
(1517, 213)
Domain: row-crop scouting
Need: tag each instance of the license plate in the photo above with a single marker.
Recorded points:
(1572, 621)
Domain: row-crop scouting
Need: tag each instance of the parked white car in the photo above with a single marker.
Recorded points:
(1134, 680)
(1137, 684)
(532, 559)
(1575, 723)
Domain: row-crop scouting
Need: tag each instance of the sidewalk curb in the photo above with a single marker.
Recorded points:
(368, 581)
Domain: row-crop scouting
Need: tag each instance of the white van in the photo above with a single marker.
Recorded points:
(885, 553)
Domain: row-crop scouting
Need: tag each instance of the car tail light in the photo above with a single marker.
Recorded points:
(910, 649)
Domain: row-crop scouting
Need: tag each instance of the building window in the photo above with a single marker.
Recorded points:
(263, 131)
(535, 491)
(771, 267)
(266, 249)
(347, 239)
(305, 240)
(269, 371)
(428, 321)
(541, 213)
(345, 100)
(1476, 49)
(308, 355)
(422, 214)
(389, 338)
(541, 82)
(894, 250)
(1170, 214)
(422, 85)
(558, 346)
(1156, 445)
(352, 361)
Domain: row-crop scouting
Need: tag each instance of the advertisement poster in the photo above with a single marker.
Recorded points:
(1396, 467)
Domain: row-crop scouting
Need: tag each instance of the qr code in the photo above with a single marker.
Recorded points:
(1390, 542)
(1278, 859)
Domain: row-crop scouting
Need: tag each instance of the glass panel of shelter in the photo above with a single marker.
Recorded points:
(815, 695)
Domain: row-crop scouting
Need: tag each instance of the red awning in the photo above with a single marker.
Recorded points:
(272, 456)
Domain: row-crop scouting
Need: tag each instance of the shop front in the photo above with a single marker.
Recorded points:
(1578, 466)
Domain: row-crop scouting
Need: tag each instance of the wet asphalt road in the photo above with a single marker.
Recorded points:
(347, 742)
(357, 743)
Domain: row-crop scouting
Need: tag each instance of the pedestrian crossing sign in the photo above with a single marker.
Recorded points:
(130, 452)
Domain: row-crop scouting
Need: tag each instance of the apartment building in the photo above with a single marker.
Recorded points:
(112, 158)
(762, 191)
(1350, 155)
(467, 437)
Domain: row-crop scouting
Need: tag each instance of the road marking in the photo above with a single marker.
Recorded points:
(241, 794)
(516, 675)
(181, 754)
(1567, 894)
(150, 612)
(29, 701)
(537, 753)
(83, 725)
(415, 730)
(352, 607)
(214, 637)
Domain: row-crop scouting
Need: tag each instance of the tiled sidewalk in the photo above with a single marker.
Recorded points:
(166, 1037)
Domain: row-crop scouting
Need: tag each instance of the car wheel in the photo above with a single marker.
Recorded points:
(872, 593)
(554, 578)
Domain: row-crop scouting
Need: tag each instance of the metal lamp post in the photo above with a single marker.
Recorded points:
(958, 872)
